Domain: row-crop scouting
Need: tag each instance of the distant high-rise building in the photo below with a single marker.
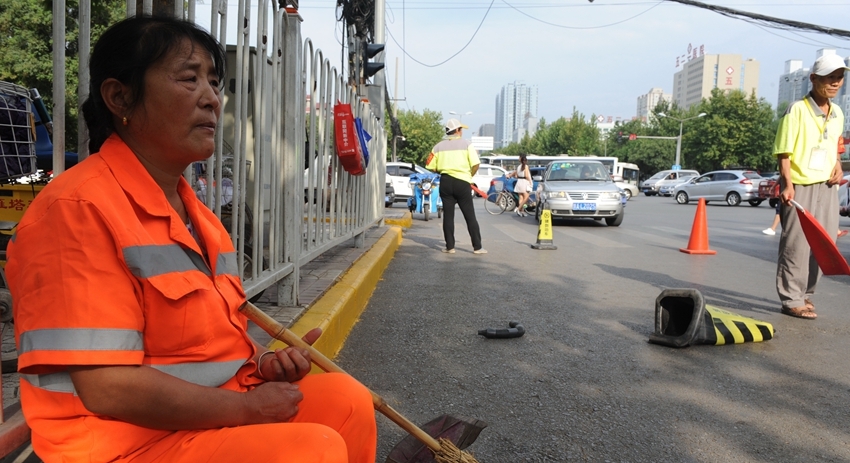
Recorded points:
(487, 130)
(793, 83)
(647, 103)
(700, 76)
(516, 104)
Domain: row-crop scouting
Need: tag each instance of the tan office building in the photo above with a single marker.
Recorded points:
(701, 75)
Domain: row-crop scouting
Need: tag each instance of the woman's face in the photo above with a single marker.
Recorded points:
(174, 125)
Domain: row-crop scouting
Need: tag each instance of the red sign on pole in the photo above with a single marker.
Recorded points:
(632, 136)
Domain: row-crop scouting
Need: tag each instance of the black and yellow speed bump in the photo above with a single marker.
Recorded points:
(683, 319)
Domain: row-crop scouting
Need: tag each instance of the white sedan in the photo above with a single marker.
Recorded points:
(485, 174)
(400, 172)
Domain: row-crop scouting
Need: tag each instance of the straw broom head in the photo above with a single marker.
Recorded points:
(449, 453)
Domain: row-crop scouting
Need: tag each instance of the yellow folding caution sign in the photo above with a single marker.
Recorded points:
(544, 232)
(682, 319)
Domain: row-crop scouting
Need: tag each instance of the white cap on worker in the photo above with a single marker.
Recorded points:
(827, 64)
(454, 124)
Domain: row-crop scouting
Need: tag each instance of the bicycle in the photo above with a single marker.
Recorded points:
(498, 203)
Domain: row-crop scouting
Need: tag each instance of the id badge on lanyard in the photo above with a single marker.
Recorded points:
(818, 158)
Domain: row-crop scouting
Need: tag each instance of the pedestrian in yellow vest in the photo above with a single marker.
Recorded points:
(456, 160)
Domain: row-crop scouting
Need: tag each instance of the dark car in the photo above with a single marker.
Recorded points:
(389, 192)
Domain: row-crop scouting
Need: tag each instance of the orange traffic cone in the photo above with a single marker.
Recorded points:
(699, 233)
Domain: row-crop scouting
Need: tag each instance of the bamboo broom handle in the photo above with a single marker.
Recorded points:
(279, 332)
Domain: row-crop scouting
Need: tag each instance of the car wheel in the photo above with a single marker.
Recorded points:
(647, 193)
(614, 221)
(733, 199)
(682, 197)
(510, 203)
(773, 202)
(754, 202)
(628, 194)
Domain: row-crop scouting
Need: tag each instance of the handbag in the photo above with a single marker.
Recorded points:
(347, 140)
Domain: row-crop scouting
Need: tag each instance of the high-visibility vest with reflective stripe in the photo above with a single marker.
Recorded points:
(454, 157)
(104, 272)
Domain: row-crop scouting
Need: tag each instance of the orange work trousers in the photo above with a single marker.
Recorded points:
(335, 424)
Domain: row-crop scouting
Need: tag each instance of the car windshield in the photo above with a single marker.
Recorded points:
(752, 175)
(578, 171)
(658, 175)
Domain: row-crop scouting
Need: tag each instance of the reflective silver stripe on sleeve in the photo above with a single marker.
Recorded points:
(54, 382)
(226, 264)
(66, 339)
(212, 374)
(152, 260)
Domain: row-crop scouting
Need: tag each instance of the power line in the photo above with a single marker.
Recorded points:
(579, 27)
(769, 21)
(401, 47)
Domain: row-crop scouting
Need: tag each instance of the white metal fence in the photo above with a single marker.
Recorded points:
(274, 179)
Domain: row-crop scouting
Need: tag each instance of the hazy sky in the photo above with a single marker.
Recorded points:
(597, 57)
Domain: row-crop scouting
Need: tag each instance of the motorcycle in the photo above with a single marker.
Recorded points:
(426, 195)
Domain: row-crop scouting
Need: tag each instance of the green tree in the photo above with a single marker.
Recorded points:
(737, 131)
(421, 132)
(651, 155)
(575, 136)
(26, 48)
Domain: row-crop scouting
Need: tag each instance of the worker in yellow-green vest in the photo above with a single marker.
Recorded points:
(456, 160)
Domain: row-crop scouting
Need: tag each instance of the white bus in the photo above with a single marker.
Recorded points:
(628, 171)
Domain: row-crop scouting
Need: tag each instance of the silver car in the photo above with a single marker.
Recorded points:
(580, 189)
(732, 186)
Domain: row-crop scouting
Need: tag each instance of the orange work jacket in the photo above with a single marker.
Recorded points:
(103, 272)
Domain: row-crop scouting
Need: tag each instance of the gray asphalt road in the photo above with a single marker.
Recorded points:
(584, 384)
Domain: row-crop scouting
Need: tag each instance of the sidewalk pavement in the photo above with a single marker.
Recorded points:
(335, 287)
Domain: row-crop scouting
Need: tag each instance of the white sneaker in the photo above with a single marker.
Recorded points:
(768, 231)
(449, 251)
(516, 210)
(480, 251)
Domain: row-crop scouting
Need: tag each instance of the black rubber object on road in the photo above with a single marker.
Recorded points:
(516, 330)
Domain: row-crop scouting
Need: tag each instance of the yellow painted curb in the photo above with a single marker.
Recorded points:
(406, 221)
(340, 307)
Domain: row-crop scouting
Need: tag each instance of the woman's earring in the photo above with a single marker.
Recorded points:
(124, 121)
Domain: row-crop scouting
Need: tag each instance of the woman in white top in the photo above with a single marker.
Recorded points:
(524, 184)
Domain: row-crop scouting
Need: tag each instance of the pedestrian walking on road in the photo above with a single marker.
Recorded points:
(456, 160)
(806, 145)
(523, 184)
(145, 355)
(772, 229)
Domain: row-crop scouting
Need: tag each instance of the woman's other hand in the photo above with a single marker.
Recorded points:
(272, 402)
(289, 364)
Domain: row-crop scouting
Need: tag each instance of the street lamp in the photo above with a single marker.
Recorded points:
(679, 139)
(460, 116)
(396, 137)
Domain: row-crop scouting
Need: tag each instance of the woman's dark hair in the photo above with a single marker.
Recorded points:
(523, 159)
(126, 51)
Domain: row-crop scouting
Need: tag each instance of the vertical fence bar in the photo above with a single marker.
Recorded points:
(84, 40)
(58, 87)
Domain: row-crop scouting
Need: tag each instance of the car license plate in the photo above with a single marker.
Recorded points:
(584, 206)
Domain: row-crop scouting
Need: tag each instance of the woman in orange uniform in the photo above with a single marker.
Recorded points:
(126, 291)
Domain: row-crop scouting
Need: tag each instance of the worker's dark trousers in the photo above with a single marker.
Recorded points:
(454, 191)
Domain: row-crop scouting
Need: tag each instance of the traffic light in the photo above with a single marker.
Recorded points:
(370, 68)
(619, 137)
